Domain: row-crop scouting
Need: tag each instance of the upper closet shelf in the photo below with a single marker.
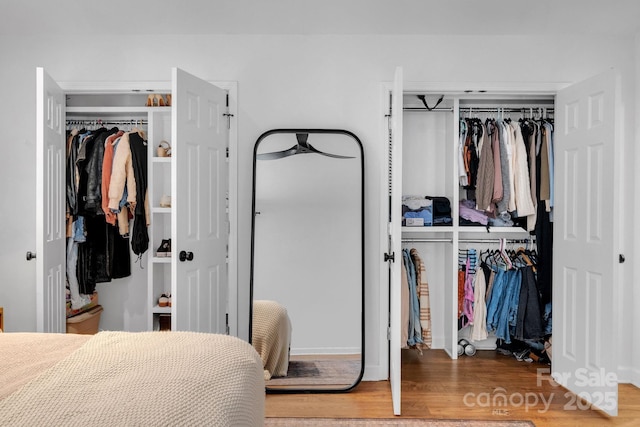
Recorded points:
(463, 229)
(112, 110)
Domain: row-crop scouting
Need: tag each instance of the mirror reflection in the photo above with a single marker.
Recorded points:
(307, 274)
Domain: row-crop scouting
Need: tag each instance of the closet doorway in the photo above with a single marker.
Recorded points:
(171, 274)
(586, 145)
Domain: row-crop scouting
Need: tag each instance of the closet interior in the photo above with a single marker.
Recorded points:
(476, 207)
(119, 152)
(174, 267)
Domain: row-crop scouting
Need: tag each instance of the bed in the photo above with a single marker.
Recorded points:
(130, 378)
(271, 337)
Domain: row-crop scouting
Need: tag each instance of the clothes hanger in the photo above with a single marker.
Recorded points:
(424, 101)
(503, 253)
(302, 147)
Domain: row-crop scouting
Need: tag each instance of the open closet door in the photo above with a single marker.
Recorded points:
(395, 236)
(586, 241)
(50, 205)
(199, 187)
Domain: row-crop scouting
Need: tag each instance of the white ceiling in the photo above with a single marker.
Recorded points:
(361, 17)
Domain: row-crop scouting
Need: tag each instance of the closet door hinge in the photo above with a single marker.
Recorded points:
(390, 257)
(227, 114)
(388, 333)
(227, 323)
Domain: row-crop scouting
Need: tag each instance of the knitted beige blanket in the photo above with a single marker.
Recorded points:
(271, 337)
(25, 355)
(145, 379)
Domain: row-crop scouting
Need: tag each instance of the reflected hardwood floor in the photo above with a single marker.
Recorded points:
(434, 386)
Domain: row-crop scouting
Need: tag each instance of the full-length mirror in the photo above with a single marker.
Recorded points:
(307, 260)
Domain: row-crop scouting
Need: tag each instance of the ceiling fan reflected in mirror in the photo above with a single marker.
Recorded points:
(302, 147)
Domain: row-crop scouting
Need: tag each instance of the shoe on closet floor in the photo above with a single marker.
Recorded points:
(164, 250)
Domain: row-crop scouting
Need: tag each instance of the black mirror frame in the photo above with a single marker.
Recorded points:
(294, 390)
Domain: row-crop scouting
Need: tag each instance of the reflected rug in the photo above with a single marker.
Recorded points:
(318, 372)
(389, 422)
(302, 368)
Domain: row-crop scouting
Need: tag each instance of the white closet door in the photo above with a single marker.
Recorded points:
(199, 188)
(395, 236)
(586, 242)
(50, 205)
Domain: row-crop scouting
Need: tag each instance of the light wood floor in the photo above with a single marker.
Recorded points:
(434, 386)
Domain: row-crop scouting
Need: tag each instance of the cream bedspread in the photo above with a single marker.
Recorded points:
(271, 337)
(27, 355)
(140, 379)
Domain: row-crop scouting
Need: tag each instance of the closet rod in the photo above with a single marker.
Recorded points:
(428, 239)
(524, 110)
(106, 122)
(497, 240)
(449, 240)
(433, 110)
(507, 109)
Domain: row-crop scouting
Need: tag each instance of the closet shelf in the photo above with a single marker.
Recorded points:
(113, 110)
(161, 310)
(492, 230)
(160, 210)
(427, 230)
(161, 159)
(161, 260)
(464, 229)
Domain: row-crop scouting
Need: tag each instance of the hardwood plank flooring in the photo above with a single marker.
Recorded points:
(434, 386)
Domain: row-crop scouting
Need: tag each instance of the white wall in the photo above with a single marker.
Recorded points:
(284, 81)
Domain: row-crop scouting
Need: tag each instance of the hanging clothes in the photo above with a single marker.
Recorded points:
(467, 263)
(102, 253)
(529, 323)
(123, 180)
(415, 302)
(523, 202)
(529, 130)
(415, 333)
(462, 170)
(107, 166)
(484, 187)
(497, 159)
(510, 307)
(404, 306)
(479, 323)
(544, 224)
(141, 220)
(423, 298)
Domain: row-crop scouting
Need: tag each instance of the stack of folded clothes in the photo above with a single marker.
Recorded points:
(416, 211)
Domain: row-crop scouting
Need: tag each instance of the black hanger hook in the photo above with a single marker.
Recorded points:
(424, 101)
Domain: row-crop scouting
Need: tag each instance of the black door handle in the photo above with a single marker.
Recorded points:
(186, 256)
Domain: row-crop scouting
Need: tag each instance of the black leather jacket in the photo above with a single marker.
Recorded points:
(90, 189)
